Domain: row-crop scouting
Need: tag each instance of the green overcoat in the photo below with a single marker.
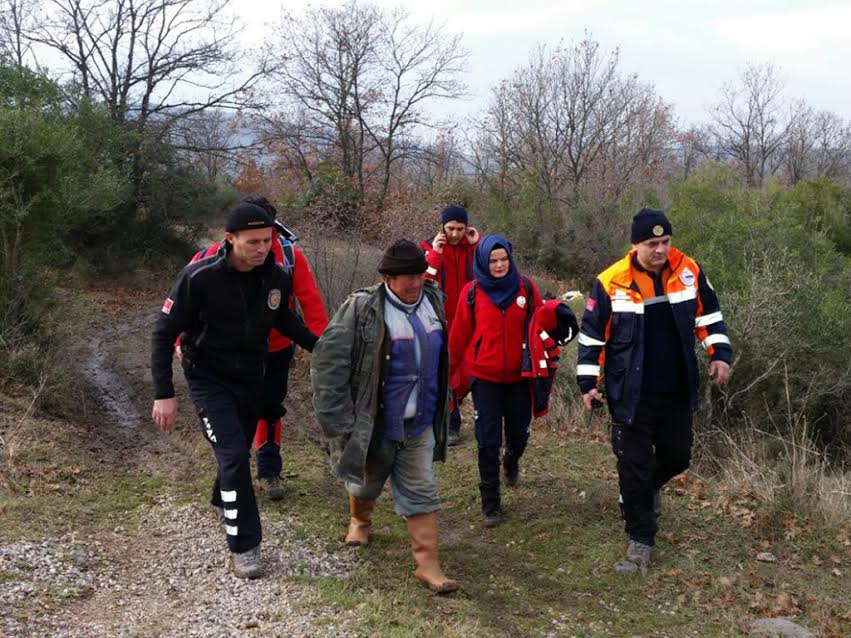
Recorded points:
(348, 367)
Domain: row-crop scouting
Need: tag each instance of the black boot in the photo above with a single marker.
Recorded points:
(489, 487)
(511, 467)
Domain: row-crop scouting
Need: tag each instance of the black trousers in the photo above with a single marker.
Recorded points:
(228, 417)
(650, 452)
(272, 408)
(498, 407)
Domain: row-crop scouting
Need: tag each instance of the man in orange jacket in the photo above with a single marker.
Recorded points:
(638, 332)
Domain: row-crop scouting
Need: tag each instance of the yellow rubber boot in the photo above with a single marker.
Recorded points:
(360, 523)
(423, 531)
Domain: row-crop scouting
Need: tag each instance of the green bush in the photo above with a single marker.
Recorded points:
(783, 284)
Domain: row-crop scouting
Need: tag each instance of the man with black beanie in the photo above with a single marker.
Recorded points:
(450, 264)
(223, 307)
(385, 413)
(638, 333)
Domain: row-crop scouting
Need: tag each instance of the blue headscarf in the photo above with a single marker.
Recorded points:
(500, 291)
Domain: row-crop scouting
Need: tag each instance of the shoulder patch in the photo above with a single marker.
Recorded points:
(274, 298)
(589, 307)
(167, 306)
(687, 277)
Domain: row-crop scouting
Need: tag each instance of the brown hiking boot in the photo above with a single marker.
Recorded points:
(272, 488)
(360, 523)
(423, 531)
(247, 564)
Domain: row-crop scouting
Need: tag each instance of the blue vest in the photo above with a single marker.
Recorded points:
(410, 390)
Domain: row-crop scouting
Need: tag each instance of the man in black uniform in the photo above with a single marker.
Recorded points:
(223, 306)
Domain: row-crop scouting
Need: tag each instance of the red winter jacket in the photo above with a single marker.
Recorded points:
(304, 292)
(453, 268)
(489, 346)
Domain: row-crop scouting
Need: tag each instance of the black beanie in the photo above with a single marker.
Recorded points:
(247, 217)
(454, 214)
(403, 258)
(648, 224)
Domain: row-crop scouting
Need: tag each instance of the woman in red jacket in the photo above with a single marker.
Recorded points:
(488, 334)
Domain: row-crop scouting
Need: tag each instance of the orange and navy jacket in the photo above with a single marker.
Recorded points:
(486, 341)
(611, 341)
(304, 292)
(452, 269)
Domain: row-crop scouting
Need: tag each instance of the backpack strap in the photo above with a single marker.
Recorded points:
(289, 254)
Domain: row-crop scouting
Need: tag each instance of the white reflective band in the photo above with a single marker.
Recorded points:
(229, 497)
(711, 340)
(706, 320)
(585, 340)
(231, 530)
(231, 514)
(431, 271)
(542, 363)
(586, 370)
(625, 305)
(684, 295)
(544, 335)
(654, 300)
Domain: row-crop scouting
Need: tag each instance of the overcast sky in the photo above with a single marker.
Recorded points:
(686, 49)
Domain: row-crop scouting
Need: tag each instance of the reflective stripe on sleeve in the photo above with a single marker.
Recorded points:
(586, 370)
(625, 305)
(654, 300)
(711, 340)
(683, 295)
(544, 335)
(705, 320)
(585, 340)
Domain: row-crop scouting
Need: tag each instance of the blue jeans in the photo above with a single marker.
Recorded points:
(410, 466)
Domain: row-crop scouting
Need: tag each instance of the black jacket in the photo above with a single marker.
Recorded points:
(221, 335)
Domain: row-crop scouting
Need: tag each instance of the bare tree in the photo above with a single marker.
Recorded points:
(751, 121)
(214, 140)
(832, 147)
(354, 81)
(151, 62)
(164, 59)
(572, 120)
(15, 15)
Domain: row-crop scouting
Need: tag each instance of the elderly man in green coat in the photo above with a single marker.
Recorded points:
(380, 378)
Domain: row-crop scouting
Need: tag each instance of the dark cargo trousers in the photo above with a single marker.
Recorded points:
(499, 407)
(275, 381)
(228, 415)
(650, 452)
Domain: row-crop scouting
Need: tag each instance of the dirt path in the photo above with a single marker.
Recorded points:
(166, 575)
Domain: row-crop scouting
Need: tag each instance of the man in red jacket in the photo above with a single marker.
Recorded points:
(450, 262)
(267, 439)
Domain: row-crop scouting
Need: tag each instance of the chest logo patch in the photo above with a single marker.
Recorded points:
(687, 277)
(521, 301)
(274, 298)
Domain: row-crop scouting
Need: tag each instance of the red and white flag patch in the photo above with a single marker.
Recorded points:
(589, 307)
(167, 306)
